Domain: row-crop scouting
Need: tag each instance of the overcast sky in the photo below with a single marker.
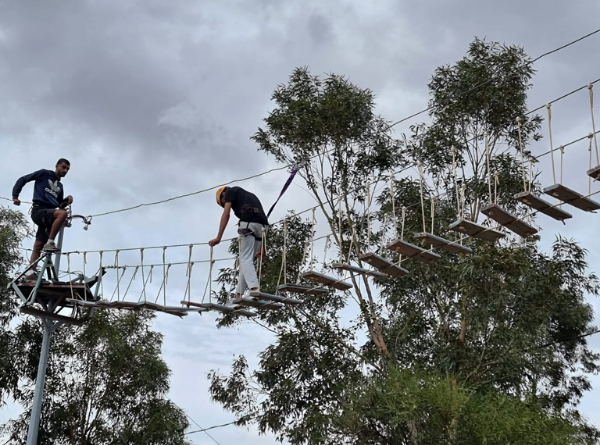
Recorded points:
(153, 99)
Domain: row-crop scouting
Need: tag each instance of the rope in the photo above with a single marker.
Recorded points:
(188, 274)
(260, 259)
(562, 155)
(590, 166)
(117, 266)
(131, 281)
(393, 207)
(118, 282)
(523, 167)
(283, 269)
(548, 107)
(496, 183)
(164, 257)
(591, 90)
(458, 211)
(209, 284)
(163, 285)
(422, 199)
(489, 171)
(142, 266)
(101, 280)
(432, 200)
(312, 244)
(144, 283)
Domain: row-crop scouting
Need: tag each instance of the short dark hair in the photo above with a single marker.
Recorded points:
(63, 161)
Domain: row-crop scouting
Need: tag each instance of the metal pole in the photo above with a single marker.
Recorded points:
(36, 408)
(58, 255)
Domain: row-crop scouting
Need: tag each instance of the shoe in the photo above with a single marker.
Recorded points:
(32, 277)
(50, 247)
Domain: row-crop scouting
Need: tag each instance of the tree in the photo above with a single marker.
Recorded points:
(13, 229)
(485, 348)
(105, 384)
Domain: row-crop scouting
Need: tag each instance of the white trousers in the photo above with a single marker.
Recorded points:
(249, 246)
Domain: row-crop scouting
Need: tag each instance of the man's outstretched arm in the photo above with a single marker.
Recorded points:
(21, 183)
(222, 225)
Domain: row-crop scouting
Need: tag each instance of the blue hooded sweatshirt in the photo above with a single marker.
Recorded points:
(48, 190)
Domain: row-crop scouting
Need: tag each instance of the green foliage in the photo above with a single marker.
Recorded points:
(489, 348)
(105, 384)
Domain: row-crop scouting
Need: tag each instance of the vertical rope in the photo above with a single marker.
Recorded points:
(591, 90)
(562, 155)
(341, 233)
(456, 181)
(283, 269)
(119, 278)
(590, 167)
(548, 107)
(367, 219)
(422, 199)
(260, 259)
(312, 244)
(402, 231)
(84, 263)
(325, 250)
(101, 280)
(523, 167)
(210, 269)
(496, 182)
(188, 273)
(432, 199)
(117, 267)
(489, 171)
(393, 199)
(164, 260)
(142, 266)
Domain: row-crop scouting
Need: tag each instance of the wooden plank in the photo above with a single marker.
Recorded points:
(225, 309)
(508, 220)
(301, 289)
(276, 298)
(594, 173)
(383, 265)
(412, 251)
(571, 197)
(253, 302)
(359, 270)
(326, 280)
(475, 230)
(442, 243)
(537, 203)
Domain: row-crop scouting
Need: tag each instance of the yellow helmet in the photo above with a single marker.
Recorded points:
(220, 191)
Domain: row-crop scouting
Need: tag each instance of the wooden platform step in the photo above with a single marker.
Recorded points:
(383, 265)
(359, 270)
(508, 220)
(225, 309)
(260, 304)
(537, 203)
(571, 197)
(412, 251)
(328, 281)
(275, 298)
(442, 243)
(301, 289)
(476, 231)
(594, 173)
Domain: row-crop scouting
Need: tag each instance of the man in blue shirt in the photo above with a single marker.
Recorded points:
(247, 207)
(48, 195)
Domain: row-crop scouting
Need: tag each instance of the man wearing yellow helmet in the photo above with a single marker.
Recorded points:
(248, 208)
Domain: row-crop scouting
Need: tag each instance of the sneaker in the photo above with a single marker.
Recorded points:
(32, 277)
(50, 247)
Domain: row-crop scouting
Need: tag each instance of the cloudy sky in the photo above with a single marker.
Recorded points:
(153, 99)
